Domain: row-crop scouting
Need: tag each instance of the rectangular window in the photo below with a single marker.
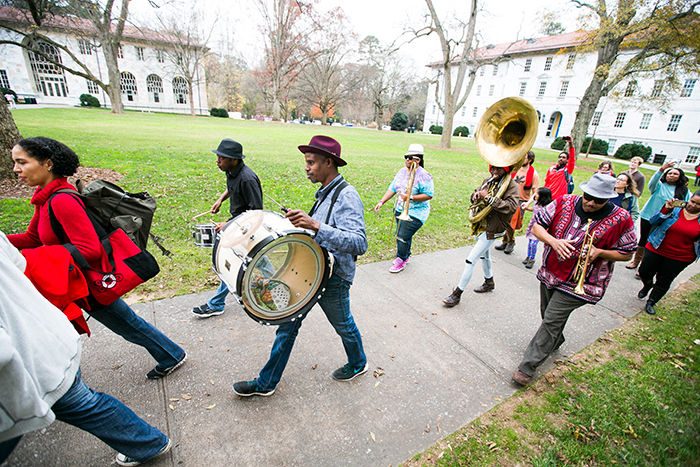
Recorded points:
(620, 119)
(693, 155)
(570, 62)
(478, 90)
(139, 53)
(548, 64)
(528, 64)
(523, 86)
(491, 89)
(596, 118)
(160, 56)
(673, 124)
(658, 87)
(471, 129)
(611, 146)
(631, 87)
(120, 52)
(482, 71)
(543, 87)
(433, 110)
(93, 88)
(688, 87)
(495, 70)
(464, 111)
(84, 47)
(564, 88)
(3, 80)
(476, 110)
(646, 120)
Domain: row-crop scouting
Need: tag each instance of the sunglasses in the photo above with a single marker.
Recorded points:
(588, 197)
(415, 158)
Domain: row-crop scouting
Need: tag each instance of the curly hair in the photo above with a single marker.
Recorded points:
(681, 184)
(65, 161)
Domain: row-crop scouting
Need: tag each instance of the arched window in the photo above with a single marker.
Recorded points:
(127, 84)
(180, 90)
(49, 79)
(155, 87)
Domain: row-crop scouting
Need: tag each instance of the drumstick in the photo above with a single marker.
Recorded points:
(200, 215)
(284, 210)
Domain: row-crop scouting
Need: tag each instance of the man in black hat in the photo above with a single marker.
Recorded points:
(566, 227)
(244, 192)
(338, 219)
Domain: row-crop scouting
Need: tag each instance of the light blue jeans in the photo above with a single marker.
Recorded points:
(480, 250)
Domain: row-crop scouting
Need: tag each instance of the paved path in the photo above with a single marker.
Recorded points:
(436, 370)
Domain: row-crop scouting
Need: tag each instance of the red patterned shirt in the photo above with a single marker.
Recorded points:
(614, 231)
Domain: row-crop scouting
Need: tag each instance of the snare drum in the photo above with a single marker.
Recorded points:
(275, 270)
(204, 235)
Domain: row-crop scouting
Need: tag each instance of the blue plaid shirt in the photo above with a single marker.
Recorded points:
(344, 235)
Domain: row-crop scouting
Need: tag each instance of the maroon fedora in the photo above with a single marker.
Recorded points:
(326, 146)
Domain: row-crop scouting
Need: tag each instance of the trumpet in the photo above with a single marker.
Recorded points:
(409, 188)
(582, 263)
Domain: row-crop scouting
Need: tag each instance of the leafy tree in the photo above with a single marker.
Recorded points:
(399, 121)
(462, 131)
(435, 129)
(630, 150)
(662, 37)
(88, 100)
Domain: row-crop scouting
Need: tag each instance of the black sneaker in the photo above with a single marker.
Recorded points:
(250, 388)
(159, 372)
(126, 461)
(205, 312)
(349, 372)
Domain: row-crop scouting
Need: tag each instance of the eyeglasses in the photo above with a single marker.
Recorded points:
(415, 158)
(588, 197)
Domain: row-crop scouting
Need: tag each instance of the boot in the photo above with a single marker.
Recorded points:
(487, 286)
(638, 255)
(454, 298)
(530, 263)
(509, 248)
(501, 247)
(650, 307)
(645, 290)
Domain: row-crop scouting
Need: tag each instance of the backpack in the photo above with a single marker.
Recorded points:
(113, 208)
(569, 182)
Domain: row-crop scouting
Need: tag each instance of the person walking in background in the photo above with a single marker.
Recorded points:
(45, 163)
(566, 226)
(40, 375)
(673, 245)
(541, 200)
(559, 175)
(244, 192)
(638, 177)
(418, 207)
(528, 182)
(627, 195)
(667, 183)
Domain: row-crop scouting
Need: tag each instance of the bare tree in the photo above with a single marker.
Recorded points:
(9, 135)
(663, 35)
(225, 79)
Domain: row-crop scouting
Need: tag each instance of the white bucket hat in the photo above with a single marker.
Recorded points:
(415, 150)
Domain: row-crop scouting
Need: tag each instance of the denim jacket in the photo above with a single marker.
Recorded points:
(661, 223)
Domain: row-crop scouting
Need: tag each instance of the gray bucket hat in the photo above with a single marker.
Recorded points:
(600, 186)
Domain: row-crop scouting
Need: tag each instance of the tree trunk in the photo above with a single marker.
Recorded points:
(189, 85)
(113, 88)
(446, 138)
(9, 135)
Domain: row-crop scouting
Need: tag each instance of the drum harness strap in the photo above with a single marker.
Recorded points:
(341, 184)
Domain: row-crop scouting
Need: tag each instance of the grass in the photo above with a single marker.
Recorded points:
(170, 157)
(631, 398)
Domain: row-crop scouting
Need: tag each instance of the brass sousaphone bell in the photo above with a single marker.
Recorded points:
(504, 135)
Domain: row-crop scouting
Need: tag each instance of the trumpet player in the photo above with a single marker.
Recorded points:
(500, 209)
(584, 236)
(414, 187)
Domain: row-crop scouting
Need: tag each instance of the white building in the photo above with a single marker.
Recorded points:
(550, 74)
(149, 80)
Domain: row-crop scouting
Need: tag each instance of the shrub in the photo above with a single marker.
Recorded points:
(88, 100)
(214, 112)
(399, 121)
(435, 129)
(630, 150)
(598, 147)
(461, 129)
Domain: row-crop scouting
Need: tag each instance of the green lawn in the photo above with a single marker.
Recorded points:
(170, 157)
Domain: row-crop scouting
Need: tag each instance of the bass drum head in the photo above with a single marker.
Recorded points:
(284, 279)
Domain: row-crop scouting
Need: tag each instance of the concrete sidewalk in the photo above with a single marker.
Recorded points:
(432, 370)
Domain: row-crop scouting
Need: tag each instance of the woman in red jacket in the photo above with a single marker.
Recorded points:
(45, 164)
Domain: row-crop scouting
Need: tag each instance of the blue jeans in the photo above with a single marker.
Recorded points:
(106, 418)
(218, 301)
(119, 318)
(480, 250)
(335, 303)
(404, 235)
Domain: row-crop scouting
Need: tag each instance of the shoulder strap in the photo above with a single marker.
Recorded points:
(321, 200)
(340, 188)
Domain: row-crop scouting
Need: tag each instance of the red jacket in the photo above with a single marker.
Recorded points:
(555, 179)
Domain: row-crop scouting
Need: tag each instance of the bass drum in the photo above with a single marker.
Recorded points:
(275, 270)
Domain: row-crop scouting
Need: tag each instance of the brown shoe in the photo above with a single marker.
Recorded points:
(509, 248)
(454, 298)
(487, 286)
(501, 247)
(521, 378)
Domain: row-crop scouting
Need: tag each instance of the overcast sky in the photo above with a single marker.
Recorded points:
(498, 21)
